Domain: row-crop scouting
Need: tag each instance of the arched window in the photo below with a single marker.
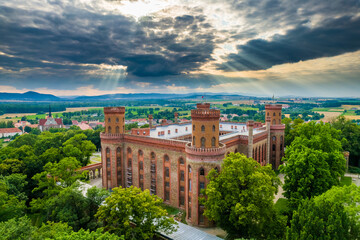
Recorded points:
(274, 138)
(189, 169)
(181, 160)
(152, 155)
(214, 128)
(202, 172)
(274, 122)
(166, 158)
(108, 150)
(274, 114)
(194, 127)
(213, 140)
(117, 120)
(279, 113)
(203, 142)
(193, 140)
(140, 153)
(109, 120)
(117, 129)
(235, 150)
(109, 129)
(129, 150)
(281, 139)
(203, 128)
(268, 114)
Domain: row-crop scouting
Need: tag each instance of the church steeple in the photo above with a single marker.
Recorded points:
(49, 111)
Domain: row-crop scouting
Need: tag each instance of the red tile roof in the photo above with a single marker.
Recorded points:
(10, 130)
(43, 121)
(59, 121)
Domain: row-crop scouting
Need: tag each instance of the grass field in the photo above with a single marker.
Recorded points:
(345, 181)
(281, 205)
(332, 113)
(32, 116)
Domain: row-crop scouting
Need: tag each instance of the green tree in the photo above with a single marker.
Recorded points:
(348, 196)
(314, 162)
(10, 124)
(9, 166)
(22, 229)
(16, 184)
(351, 132)
(16, 228)
(86, 148)
(134, 213)
(70, 206)
(240, 198)
(321, 219)
(27, 129)
(58, 175)
(10, 205)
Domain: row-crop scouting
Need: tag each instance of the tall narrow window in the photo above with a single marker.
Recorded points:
(117, 129)
(109, 120)
(167, 172)
(117, 120)
(182, 175)
(109, 129)
(203, 128)
(203, 142)
(194, 127)
(193, 140)
(213, 140)
(214, 128)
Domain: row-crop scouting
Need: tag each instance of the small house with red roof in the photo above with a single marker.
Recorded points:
(9, 132)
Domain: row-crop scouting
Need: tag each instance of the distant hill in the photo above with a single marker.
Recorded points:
(39, 97)
(28, 96)
(144, 96)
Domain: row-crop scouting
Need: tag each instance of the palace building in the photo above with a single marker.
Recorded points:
(172, 160)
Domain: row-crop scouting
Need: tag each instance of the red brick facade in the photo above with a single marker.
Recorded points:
(176, 170)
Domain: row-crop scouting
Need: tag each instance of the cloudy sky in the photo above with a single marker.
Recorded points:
(255, 47)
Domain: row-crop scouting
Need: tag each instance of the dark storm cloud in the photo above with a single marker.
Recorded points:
(263, 15)
(79, 36)
(334, 37)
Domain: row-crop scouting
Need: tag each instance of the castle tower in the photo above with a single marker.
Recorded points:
(205, 126)
(202, 154)
(111, 156)
(114, 120)
(276, 143)
(274, 112)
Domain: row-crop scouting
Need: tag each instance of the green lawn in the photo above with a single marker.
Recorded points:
(345, 181)
(281, 205)
(174, 211)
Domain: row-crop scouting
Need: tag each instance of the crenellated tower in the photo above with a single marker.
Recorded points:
(114, 120)
(276, 141)
(202, 154)
(112, 154)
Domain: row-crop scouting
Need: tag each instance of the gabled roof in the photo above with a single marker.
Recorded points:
(43, 121)
(10, 130)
